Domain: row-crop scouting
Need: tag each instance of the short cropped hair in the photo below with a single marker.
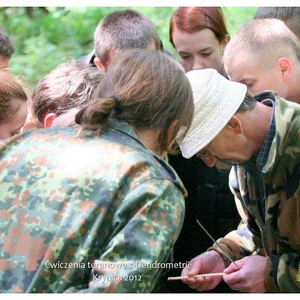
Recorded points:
(69, 85)
(124, 29)
(289, 15)
(6, 47)
(267, 39)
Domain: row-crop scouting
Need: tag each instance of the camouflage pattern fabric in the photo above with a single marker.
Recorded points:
(83, 213)
(271, 211)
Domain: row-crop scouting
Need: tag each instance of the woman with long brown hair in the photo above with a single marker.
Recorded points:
(95, 208)
(199, 35)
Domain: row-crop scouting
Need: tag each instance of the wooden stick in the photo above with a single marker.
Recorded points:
(196, 276)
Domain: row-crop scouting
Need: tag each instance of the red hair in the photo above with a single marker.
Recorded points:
(193, 19)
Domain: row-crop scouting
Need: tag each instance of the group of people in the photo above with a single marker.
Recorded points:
(120, 153)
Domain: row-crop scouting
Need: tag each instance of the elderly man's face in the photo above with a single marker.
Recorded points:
(230, 145)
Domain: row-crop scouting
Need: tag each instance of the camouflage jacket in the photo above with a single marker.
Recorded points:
(271, 210)
(83, 213)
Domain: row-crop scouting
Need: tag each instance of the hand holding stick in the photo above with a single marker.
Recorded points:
(210, 236)
(196, 276)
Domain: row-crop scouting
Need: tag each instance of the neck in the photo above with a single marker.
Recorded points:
(149, 138)
(258, 125)
(294, 90)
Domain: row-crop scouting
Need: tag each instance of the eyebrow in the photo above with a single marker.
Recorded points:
(207, 48)
(245, 79)
(181, 52)
(242, 78)
(201, 50)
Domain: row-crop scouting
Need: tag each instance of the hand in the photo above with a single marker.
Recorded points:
(207, 262)
(250, 277)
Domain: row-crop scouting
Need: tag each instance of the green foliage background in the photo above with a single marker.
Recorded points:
(46, 37)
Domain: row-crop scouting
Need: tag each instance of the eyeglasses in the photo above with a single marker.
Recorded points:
(209, 153)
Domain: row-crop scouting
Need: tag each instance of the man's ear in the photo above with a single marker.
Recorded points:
(285, 66)
(226, 40)
(99, 64)
(49, 119)
(235, 125)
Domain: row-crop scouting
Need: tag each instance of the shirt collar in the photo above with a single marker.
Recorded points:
(263, 154)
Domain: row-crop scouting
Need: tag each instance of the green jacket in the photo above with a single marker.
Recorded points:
(271, 209)
(85, 213)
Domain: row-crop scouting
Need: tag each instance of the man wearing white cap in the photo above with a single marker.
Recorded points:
(261, 139)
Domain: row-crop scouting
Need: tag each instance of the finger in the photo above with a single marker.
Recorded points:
(238, 286)
(192, 268)
(193, 280)
(199, 286)
(208, 284)
(231, 268)
(196, 286)
(185, 271)
(231, 279)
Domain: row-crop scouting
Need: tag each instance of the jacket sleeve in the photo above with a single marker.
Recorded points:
(147, 224)
(282, 273)
(281, 270)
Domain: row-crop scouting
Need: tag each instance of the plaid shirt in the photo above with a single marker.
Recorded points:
(262, 156)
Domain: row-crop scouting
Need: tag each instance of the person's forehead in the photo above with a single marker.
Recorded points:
(242, 67)
(247, 74)
(202, 38)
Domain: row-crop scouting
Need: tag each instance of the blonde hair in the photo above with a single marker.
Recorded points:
(289, 15)
(266, 39)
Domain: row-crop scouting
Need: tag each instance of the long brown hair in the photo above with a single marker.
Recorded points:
(151, 91)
